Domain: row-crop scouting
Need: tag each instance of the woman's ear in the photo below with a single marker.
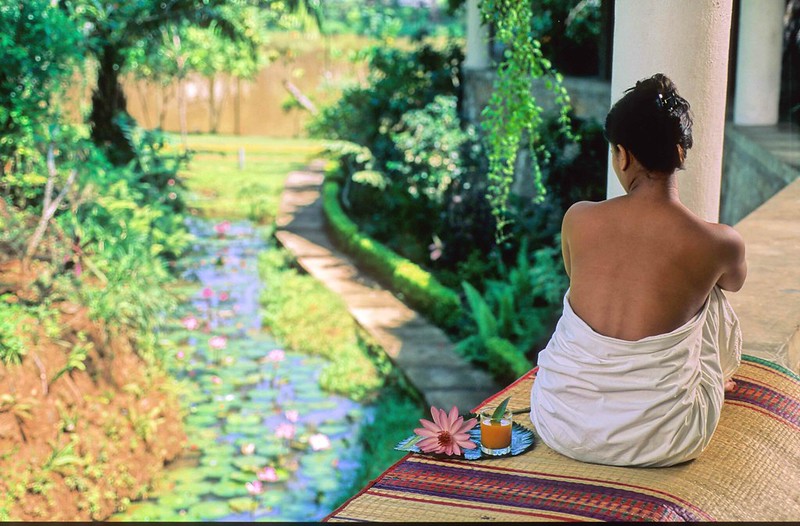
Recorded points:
(624, 157)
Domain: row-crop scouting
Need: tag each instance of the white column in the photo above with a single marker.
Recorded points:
(758, 62)
(687, 40)
(477, 53)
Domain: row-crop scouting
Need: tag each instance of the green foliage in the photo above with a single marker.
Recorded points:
(388, 19)
(418, 286)
(398, 81)
(514, 315)
(39, 47)
(430, 140)
(396, 416)
(512, 114)
(311, 319)
(569, 31)
(12, 348)
(76, 357)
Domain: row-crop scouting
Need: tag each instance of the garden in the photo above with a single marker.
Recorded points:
(162, 358)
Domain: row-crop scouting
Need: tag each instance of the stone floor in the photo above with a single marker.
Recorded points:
(421, 350)
(768, 304)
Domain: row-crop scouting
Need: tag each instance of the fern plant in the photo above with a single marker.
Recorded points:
(512, 315)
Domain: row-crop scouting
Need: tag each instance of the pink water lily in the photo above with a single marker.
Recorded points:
(276, 355)
(255, 487)
(268, 474)
(190, 322)
(285, 430)
(448, 433)
(218, 342)
(291, 415)
(207, 293)
(224, 296)
(222, 228)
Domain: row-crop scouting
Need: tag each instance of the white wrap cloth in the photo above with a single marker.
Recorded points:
(651, 402)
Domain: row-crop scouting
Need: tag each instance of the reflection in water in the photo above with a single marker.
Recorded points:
(265, 442)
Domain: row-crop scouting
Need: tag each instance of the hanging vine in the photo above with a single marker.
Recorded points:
(512, 116)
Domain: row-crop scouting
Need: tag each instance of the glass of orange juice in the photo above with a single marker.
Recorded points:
(495, 434)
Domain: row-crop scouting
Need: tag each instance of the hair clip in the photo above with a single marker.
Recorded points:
(669, 103)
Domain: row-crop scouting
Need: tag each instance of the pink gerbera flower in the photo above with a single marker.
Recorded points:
(448, 433)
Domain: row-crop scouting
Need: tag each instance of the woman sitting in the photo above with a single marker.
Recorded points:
(636, 370)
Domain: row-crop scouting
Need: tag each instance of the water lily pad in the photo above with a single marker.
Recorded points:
(194, 488)
(145, 511)
(326, 483)
(274, 497)
(181, 476)
(334, 428)
(210, 510)
(250, 379)
(251, 462)
(229, 489)
(238, 419)
(243, 504)
(215, 472)
(178, 501)
(273, 449)
(242, 476)
(201, 420)
(264, 395)
(250, 431)
(219, 451)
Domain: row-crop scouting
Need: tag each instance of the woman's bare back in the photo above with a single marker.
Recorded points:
(642, 265)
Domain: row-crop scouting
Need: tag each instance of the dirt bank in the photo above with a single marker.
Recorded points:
(78, 444)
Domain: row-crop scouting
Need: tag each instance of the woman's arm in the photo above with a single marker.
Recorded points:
(735, 270)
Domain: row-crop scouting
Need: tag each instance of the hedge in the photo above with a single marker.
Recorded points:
(435, 301)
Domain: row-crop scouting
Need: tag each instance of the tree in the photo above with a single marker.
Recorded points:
(114, 29)
(39, 47)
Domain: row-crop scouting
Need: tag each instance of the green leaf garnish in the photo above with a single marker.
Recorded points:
(497, 416)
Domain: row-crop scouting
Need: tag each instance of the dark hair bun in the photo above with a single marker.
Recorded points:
(652, 120)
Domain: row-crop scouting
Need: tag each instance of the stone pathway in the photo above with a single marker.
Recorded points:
(421, 350)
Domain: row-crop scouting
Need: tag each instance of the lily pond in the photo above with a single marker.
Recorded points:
(266, 443)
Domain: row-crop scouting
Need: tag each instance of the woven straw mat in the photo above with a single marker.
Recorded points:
(750, 471)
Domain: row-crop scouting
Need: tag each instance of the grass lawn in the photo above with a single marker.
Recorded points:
(219, 188)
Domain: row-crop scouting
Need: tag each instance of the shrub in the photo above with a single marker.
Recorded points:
(418, 286)
(311, 319)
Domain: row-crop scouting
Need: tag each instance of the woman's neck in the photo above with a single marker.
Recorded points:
(654, 186)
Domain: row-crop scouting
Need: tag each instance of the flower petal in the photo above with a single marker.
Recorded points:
(454, 449)
(427, 424)
(467, 425)
(421, 431)
(437, 419)
(466, 444)
(452, 418)
(428, 444)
